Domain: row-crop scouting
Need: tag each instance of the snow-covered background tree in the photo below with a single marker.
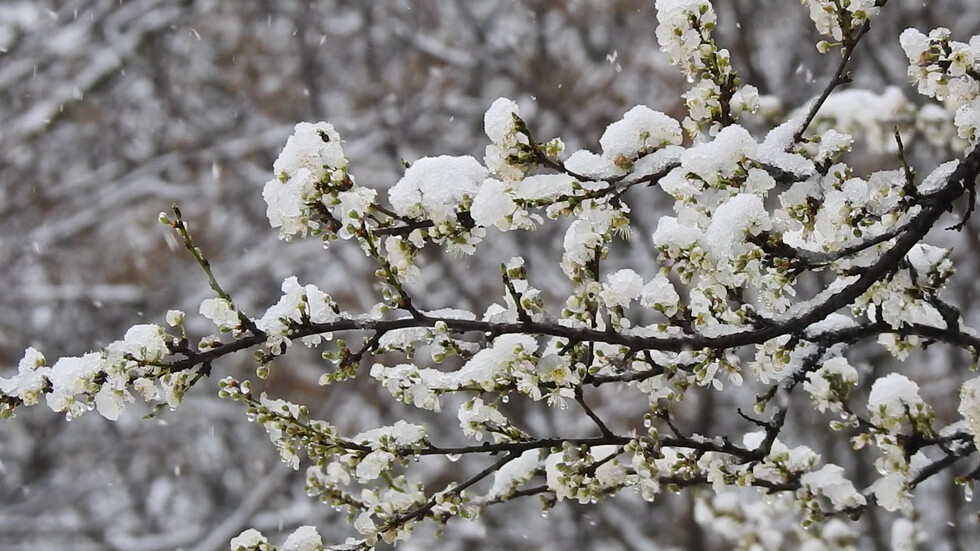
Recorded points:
(720, 310)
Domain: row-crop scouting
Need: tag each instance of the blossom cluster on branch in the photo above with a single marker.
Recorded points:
(754, 216)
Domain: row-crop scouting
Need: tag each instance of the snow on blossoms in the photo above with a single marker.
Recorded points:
(440, 189)
(682, 27)
(100, 380)
(719, 194)
(640, 131)
(838, 20)
(754, 221)
(969, 406)
(948, 71)
(311, 179)
(298, 304)
(717, 98)
(437, 188)
(501, 125)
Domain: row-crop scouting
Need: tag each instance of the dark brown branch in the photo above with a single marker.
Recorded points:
(592, 415)
(419, 512)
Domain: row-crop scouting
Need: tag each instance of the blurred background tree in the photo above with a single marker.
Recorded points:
(112, 110)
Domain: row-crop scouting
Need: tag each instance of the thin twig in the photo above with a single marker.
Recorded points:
(838, 79)
(580, 398)
(181, 228)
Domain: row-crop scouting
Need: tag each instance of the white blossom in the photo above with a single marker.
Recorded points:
(248, 540)
(969, 407)
(288, 203)
(475, 417)
(892, 493)
(829, 482)
(493, 204)
(313, 147)
(220, 312)
(894, 402)
(434, 188)
(305, 538)
(498, 123)
(623, 287)
(32, 375)
(639, 131)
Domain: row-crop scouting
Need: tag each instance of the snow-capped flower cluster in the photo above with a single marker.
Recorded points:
(287, 202)
(684, 26)
(400, 254)
(838, 19)
(399, 435)
(621, 288)
(506, 154)
(892, 493)
(475, 417)
(380, 505)
(299, 304)
(640, 131)
(221, 312)
(519, 471)
(439, 189)
(507, 205)
(782, 462)
(707, 103)
(315, 147)
(498, 363)
(897, 411)
(830, 483)
(570, 475)
(311, 168)
(588, 236)
(304, 538)
(29, 381)
(721, 223)
(969, 407)
(412, 385)
(659, 293)
(100, 380)
(716, 99)
(895, 407)
(133, 359)
(905, 298)
(494, 205)
(948, 71)
(250, 540)
(830, 386)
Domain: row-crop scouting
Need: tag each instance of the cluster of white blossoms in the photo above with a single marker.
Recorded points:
(754, 216)
(830, 386)
(840, 19)
(640, 132)
(948, 71)
(684, 26)
(508, 141)
(969, 407)
(102, 380)
(897, 412)
(311, 174)
(305, 538)
(717, 97)
(299, 304)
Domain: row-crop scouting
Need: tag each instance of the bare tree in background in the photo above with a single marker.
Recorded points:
(113, 111)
